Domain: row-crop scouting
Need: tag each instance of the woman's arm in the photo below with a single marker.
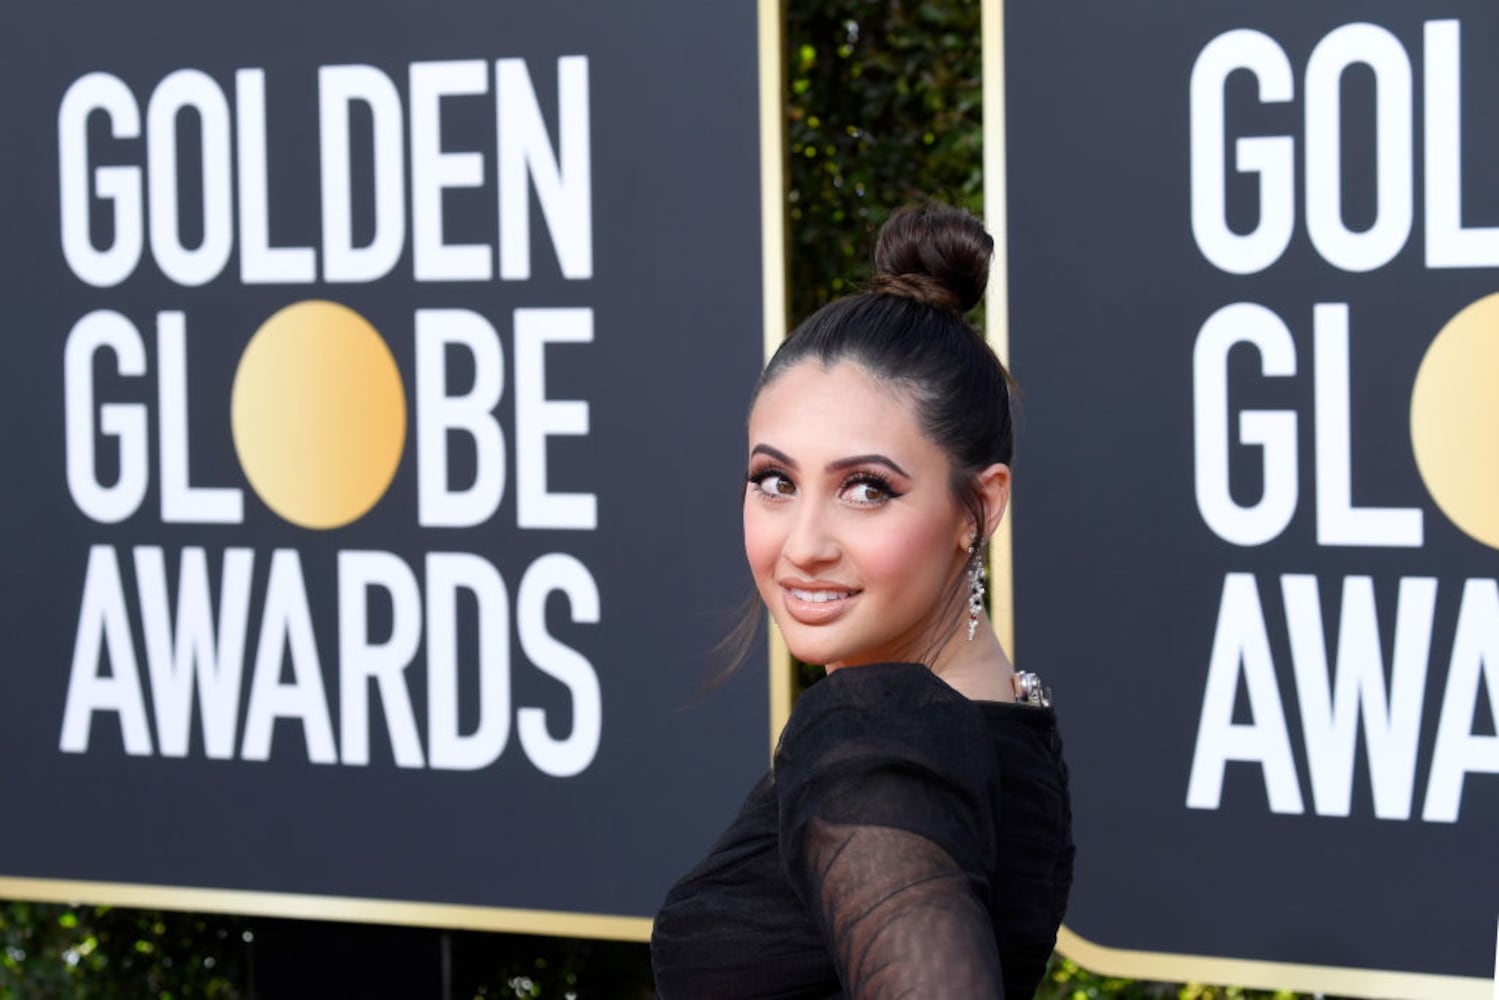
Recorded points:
(885, 782)
(899, 915)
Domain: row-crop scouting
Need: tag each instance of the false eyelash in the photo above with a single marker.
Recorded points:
(764, 472)
(875, 480)
(755, 480)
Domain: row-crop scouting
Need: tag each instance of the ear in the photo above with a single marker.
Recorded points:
(994, 488)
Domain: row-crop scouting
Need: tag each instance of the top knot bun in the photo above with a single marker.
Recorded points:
(935, 254)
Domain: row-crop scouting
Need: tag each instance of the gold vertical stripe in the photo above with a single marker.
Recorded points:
(773, 279)
(1373, 983)
(997, 305)
(1496, 961)
(781, 671)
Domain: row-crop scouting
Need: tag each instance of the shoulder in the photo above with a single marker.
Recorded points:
(886, 715)
(891, 746)
(897, 698)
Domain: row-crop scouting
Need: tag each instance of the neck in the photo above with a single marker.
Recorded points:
(980, 670)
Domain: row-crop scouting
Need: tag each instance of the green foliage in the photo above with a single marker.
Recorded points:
(883, 108)
(54, 952)
(1066, 980)
(533, 968)
(102, 953)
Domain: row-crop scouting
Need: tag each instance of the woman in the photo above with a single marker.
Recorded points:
(913, 837)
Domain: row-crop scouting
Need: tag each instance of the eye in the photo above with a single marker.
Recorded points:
(771, 483)
(868, 490)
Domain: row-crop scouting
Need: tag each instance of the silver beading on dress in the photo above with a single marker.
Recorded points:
(1030, 691)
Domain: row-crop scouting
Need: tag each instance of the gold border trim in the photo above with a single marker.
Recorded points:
(1374, 983)
(346, 908)
(1382, 984)
(484, 918)
(773, 266)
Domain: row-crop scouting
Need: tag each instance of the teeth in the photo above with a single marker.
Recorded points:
(820, 596)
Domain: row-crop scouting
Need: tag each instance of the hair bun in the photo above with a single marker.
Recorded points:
(935, 254)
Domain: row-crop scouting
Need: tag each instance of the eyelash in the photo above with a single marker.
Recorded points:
(757, 477)
(870, 479)
(756, 480)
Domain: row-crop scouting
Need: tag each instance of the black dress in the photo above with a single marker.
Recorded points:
(907, 842)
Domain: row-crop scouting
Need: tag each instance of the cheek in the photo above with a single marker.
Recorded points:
(762, 541)
(916, 550)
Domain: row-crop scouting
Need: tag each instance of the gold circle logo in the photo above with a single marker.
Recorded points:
(318, 414)
(1455, 420)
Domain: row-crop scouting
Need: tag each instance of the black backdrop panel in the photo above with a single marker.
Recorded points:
(1272, 624)
(560, 526)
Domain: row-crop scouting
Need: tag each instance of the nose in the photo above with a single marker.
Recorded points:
(810, 543)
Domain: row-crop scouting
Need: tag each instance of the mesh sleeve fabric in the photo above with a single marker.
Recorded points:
(885, 782)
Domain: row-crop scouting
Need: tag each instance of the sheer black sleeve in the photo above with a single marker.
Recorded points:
(884, 778)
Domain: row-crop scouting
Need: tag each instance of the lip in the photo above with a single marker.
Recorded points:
(808, 611)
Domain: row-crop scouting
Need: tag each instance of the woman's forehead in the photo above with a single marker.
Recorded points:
(835, 407)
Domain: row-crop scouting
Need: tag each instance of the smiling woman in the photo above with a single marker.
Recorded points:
(914, 835)
(850, 527)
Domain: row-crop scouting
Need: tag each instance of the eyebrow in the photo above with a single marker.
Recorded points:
(871, 459)
(836, 466)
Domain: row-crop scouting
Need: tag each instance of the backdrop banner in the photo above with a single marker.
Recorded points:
(1254, 307)
(374, 386)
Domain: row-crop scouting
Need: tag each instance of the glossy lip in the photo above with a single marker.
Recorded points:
(816, 612)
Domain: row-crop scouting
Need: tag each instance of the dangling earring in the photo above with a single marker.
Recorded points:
(975, 587)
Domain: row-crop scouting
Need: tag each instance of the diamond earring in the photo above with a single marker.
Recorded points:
(975, 588)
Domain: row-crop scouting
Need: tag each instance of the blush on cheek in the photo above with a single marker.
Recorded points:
(907, 553)
(762, 544)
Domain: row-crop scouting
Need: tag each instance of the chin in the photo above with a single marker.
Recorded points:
(823, 651)
(817, 649)
(813, 653)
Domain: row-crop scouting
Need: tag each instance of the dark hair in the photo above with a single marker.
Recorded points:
(907, 328)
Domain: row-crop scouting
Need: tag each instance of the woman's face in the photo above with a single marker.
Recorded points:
(851, 531)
